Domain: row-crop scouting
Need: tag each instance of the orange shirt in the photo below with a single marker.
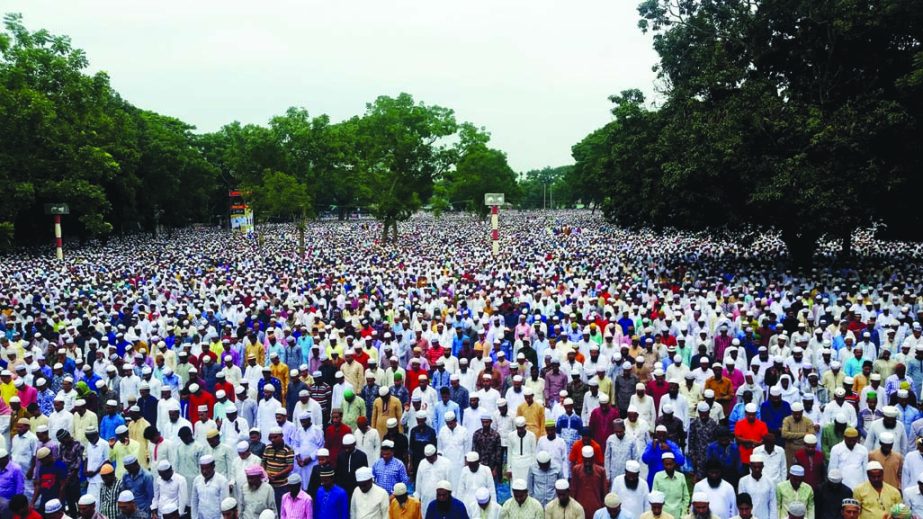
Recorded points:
(753, 432)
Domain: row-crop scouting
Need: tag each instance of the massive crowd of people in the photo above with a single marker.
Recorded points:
(592, 372)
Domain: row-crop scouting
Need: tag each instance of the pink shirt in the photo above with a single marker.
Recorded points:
(298, 508)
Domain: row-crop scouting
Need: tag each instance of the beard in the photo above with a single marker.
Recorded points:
(706, 515)
(632, 485)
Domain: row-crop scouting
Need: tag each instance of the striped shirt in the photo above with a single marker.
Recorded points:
(276, 460)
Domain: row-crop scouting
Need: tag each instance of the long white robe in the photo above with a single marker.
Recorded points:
(305, 443)
(454, 444)
(521, 453)
(469, 482)
(763, 493)
(266, 416)
(428, 475)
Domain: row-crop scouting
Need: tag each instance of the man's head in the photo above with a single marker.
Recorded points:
(126, 503)
(443, 492)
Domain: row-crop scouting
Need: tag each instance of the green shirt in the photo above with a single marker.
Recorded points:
(785, 495)
(675, 490)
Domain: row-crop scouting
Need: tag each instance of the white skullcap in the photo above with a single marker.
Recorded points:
(702, 407)
(86, 500)
(700, 497)
(656, 497)
(472, 457)
(228, 503)
(561, 484)
(482, 495)
(632, 466)
(363, 474)
(518, 484)
(349, 439)
(126, 496)
(444, 485)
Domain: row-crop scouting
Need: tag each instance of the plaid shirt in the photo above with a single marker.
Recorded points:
(389, 473)
(487, 445)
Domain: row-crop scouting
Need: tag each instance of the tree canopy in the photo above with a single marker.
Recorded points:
(67, 136)
(801, 115)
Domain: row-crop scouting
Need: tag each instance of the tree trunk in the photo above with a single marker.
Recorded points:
(394, 231)
(342, 212)
(846, 247)
(385, 227)
(800, 246)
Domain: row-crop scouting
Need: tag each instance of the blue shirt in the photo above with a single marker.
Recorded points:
(331, 503)
(387, 474)
(653, 457)
(603, 513)
(142, 486)
(441, 410)
(456, 510)
(108, 425)
(12, 481)
(773, 415)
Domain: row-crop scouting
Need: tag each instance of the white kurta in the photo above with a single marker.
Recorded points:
(634, 501)
(763, 493)
(305, 443)
(557, 448)
(521, 453)
(266, 416)
(469, 482)
(851, 463)
(454, 444)
(428, 475)
(721, 500)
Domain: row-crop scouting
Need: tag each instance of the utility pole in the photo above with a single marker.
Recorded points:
(544, 186)
(494, 201)
(57, 210)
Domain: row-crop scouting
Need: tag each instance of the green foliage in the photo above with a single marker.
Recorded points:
(279, 196)
(66, 136)
(547, 188)
(803, 115)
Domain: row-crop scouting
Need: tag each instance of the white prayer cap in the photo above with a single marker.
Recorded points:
(363, 474)
(700, 497)
(797, 407)
(702, 407)
(444, 485)
(518, 484)
(561, 484)
(751, 408)
(228, 503)
(206, 459)
(756, 458)
(612, 500)
(126, 496)
(482, 495)
(450, 416)
(886, 437)
(86, 500)
(349, 439)
(632, 466)
(323, 452)
(587, 451)
(472, 457)
(163, 465)
(656, 497)
(835, 476)
(520, 421)
(544, 457)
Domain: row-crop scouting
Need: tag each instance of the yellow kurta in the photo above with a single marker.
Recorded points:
(258, 351)
(535, 417)
(875, 505)
(409, 510)
(280, 371)
(136, 433)
(119, 451)
(380, 417)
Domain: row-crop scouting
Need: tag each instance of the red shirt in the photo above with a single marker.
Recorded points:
(202, 398)
(753, 432)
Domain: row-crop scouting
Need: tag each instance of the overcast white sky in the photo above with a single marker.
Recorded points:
(535, 73)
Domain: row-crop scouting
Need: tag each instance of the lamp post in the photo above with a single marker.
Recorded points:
(56, 210)
(494, 201)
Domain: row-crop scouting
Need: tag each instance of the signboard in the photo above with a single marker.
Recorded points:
(241, 215)
(57, 209)
(494, 199)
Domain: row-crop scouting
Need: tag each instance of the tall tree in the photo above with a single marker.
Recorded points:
(402, 151)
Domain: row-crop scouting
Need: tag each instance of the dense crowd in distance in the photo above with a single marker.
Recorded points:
(587, 372)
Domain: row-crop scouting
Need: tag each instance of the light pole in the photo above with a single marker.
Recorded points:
(494, 201)
(57, 210)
